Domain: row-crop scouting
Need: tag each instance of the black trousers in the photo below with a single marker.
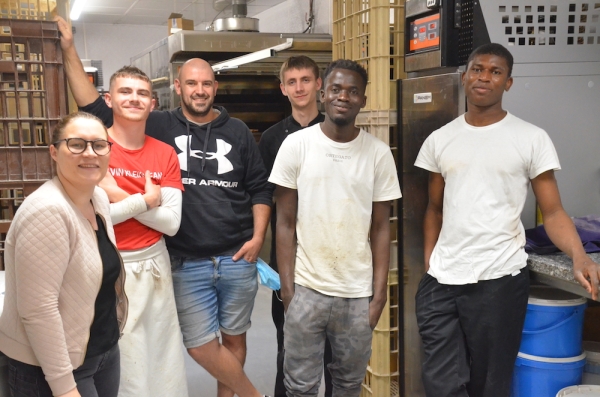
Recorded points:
(471, 334)
(278, 315)
(98, 376)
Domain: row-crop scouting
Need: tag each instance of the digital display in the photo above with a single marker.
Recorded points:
(424, 33)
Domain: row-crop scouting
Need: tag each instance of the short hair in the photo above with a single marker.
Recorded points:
(59, 129)
(130, 71)
(299, 62)
(493, 49)
(348, 65)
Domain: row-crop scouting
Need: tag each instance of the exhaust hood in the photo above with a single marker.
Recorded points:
(238, 22)
(226, 51)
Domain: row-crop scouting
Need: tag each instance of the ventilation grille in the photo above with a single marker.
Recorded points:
(540, 25)
(465, 35)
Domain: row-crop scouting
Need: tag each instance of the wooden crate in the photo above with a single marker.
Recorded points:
(10, 200)
(32, 98)
(383, 125)
(376, 385)
(32, 101)
(27, 9)
(382, 375)
(371, 32)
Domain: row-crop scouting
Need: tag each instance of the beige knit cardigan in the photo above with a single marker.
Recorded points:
(53, 275)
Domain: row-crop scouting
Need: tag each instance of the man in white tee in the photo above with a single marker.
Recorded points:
(335, 186)
(471, 303)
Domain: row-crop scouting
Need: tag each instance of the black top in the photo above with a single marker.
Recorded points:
(104, 332)
(270, 142)
(223, 175)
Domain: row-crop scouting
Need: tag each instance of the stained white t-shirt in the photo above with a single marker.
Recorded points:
(487, 171)
(337, 184)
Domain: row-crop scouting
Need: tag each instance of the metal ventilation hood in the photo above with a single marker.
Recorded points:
(228, 52)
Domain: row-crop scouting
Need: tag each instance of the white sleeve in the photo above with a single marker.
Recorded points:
(544, 157)
(426, 158)
(387, 186)
(165, 218)
(127, 208)
(285, 168)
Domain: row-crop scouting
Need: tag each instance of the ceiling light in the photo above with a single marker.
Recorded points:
(76, 9)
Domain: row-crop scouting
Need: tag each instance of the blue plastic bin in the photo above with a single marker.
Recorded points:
(553, 323)
(544, 376)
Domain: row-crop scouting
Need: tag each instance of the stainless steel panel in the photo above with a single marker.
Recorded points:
(154, 61)
(556, 282)
(236, 24)
(423, 61)
(418, 121)
(232, 42)
(566, 107)
(415, 7)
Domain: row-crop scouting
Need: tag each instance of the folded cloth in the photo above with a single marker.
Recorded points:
(267, 276)
(588, 228)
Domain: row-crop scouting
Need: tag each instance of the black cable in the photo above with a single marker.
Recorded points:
(311, 16)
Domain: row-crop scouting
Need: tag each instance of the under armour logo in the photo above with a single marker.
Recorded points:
(184, 144)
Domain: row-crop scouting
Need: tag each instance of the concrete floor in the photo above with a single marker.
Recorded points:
(261, 357)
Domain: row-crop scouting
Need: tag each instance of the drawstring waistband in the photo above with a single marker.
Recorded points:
(147, 265)
(144, 258)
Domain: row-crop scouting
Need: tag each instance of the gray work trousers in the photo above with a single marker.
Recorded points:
(312, 316)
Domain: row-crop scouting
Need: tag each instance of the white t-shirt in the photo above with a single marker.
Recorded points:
(337, 184)
(487, 172)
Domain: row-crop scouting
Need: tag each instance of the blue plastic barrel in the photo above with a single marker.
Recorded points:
(553, 323)
(544, 376)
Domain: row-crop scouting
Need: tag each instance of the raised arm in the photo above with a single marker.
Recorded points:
(432, 224)
(562, 232)
(287, 208)
(83, 90)
(380, 249)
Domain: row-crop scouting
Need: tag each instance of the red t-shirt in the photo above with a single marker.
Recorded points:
(128, 167)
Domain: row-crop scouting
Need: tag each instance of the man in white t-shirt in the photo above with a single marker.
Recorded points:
(335, 186)
(471, 303)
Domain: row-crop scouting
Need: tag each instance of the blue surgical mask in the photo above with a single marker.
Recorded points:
(267, 276)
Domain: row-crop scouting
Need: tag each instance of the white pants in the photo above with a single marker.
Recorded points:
(151, 346)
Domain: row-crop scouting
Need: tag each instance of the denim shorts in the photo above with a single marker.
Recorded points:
(213, 295)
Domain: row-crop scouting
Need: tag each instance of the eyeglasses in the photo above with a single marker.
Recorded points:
(78, 145)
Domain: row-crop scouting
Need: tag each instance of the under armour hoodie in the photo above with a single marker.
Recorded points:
(223, 175)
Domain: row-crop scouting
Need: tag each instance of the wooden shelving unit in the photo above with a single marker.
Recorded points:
(32, 101)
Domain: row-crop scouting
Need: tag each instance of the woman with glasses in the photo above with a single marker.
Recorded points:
(64, 307)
